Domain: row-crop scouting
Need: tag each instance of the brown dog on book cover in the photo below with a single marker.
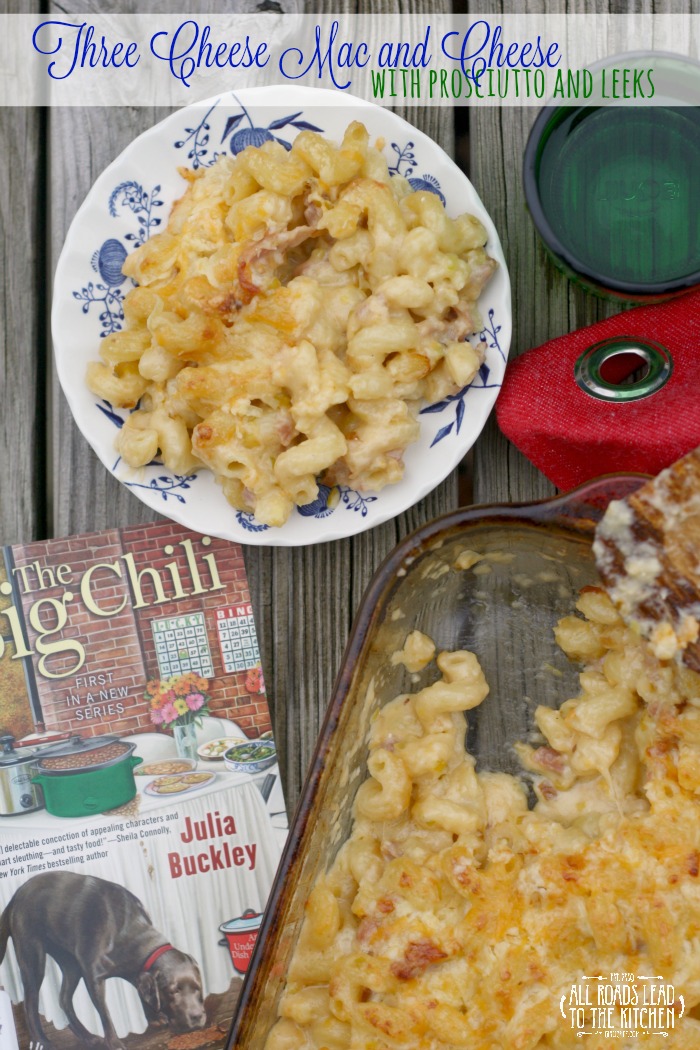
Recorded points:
(96, 930)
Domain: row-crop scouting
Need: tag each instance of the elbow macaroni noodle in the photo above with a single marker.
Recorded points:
(290, 319)
(456, 916)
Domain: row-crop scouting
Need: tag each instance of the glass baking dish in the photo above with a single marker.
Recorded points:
(503, 609)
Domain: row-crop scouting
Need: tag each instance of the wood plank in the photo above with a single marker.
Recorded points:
(545, 303)
(22, 305)
(83, 141)
(304, 599)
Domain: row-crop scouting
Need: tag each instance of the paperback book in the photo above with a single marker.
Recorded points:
(141, 812)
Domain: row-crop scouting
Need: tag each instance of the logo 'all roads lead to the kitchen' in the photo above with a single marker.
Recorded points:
(622, 1005)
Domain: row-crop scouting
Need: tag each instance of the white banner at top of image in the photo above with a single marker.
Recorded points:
(477, 60)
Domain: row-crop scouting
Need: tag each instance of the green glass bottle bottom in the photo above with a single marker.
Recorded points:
(618, 187)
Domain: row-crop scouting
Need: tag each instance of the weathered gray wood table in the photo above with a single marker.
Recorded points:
(53, 484)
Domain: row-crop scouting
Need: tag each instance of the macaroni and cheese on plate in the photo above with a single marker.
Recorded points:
(307, 307)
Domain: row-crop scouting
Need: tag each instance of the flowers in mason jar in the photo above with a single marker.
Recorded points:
(254, 681)
(182, 699)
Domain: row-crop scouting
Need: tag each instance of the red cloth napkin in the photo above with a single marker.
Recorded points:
(570, 435)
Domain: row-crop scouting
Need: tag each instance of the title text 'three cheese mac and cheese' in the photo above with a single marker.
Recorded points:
(290, 319)
(455, 916)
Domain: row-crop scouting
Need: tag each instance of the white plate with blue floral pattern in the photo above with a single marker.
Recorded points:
(131, 200)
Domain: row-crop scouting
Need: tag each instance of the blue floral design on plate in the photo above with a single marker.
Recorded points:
(330, 497)
(167, 485)
(133, 196)
(197, 138)
(108, 260)
(488, 335)
(353, 500)
(324, 504)
(406, 159)
(254, 136)
(110, 299)
(112, 415)
(247, 521)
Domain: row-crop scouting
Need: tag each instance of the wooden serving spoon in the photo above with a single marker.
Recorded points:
(647, 549)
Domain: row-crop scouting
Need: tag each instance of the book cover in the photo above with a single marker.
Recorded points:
(141, 813)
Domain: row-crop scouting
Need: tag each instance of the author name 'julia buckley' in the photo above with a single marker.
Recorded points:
(216, 857)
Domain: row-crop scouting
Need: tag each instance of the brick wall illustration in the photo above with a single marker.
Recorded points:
(230, 698)
(106, 693)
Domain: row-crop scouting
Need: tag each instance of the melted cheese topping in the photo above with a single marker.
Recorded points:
(455, 916)
(289, 320)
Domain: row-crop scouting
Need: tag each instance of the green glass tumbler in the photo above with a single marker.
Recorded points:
(614, 189)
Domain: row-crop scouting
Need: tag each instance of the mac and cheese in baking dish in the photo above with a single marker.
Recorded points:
(290, 319)
(456, 915)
